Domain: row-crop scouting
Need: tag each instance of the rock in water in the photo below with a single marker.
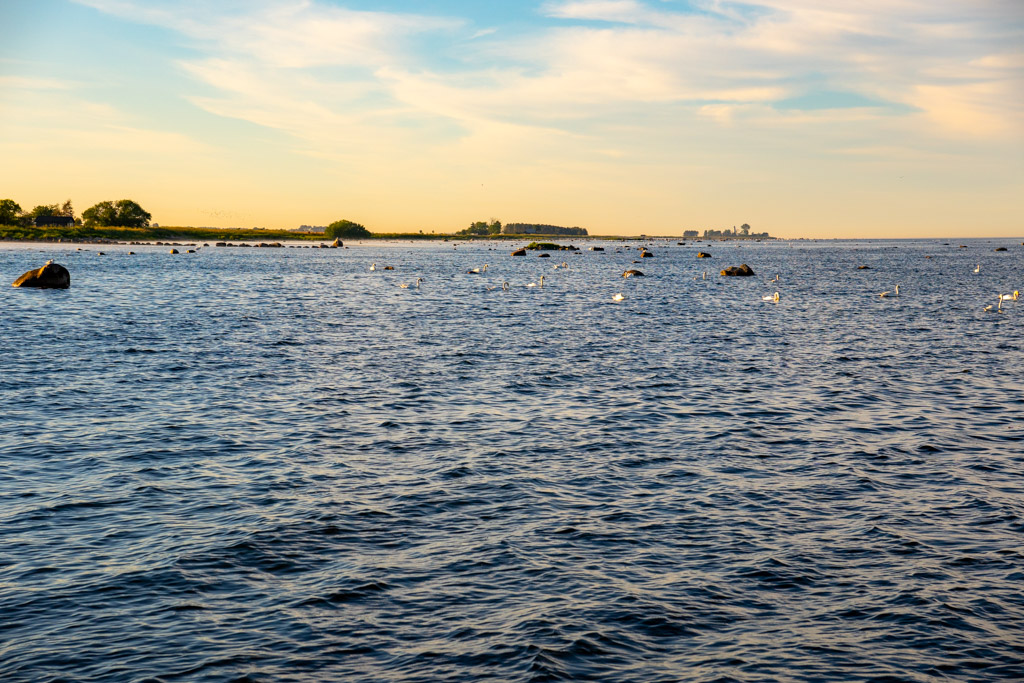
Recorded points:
(702, 254)
(50, 276)
(337, 243)
(519, 252)
(741, 271)
(633, 273)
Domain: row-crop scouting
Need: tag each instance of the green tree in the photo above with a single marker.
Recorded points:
(124, 213)
(745, 228)
(10, 212)
(43, 210)
(495, 227)
(346, 229)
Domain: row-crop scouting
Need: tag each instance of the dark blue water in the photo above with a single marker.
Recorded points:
(276, 465)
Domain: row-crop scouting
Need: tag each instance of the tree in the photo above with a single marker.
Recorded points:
(43, 210)
(347, 229)
(495, 227)
(66, 210)
(745, 228)
(10, 212)
(124, 213)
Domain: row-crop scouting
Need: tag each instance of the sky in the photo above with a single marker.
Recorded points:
(802, 118)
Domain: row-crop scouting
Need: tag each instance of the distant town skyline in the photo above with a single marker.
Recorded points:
(804, 119)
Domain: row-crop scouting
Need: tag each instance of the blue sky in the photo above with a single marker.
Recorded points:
(803, 118)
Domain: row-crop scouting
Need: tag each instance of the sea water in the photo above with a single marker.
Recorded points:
(278, 465)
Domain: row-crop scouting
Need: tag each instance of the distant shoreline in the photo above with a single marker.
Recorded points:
(109, 235)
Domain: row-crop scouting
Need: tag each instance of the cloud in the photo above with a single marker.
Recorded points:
(27, 83)
(340, 79)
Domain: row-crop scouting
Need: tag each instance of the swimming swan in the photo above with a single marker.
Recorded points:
(1010, 297)
(978, 269)
(895, 292)
(771, 297)
(534, 284)
(619, 297)
(373, 266)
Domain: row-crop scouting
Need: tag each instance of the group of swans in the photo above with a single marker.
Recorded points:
(1004, 297)
(770, 298)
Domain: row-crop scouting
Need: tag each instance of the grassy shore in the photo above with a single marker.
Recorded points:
(15, 233)
(86, 234)
(11, 233)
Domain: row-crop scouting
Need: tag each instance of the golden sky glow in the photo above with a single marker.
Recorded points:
(804, 119)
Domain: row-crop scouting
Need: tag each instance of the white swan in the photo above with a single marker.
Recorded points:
(619, 297)
(373, 266)
(978, 269)
(534, 284)
(505, 287)
(477, 271)
(405, 285)
(1010, 297)
(771, 297)
(895, 292)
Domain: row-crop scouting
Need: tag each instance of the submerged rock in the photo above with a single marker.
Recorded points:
(633, 273)
(50, 276)
(1000, 248)
(646, 254)
(738, 271)
(701, 254)
(863, 267)
(173, 251)
(519, 252)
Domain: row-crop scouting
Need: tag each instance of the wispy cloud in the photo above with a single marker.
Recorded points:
(310, 68)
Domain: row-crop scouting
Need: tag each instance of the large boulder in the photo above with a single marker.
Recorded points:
(646, 254)
(701, 254)
(337, 243)
(519, 252)
(50, 276)
(739, 271)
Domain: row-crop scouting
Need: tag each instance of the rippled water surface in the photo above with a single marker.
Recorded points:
(275, 464)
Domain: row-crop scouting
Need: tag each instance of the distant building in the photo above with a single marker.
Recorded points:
(691, 233)
(54, 221)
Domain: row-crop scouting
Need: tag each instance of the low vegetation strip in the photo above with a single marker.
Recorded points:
(88, 233)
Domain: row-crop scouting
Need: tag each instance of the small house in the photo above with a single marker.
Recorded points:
(54, 221)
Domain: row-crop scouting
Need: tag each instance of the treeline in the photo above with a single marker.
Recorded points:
(541, 229)
(123, 213)
(494, 227)
(743, 231)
